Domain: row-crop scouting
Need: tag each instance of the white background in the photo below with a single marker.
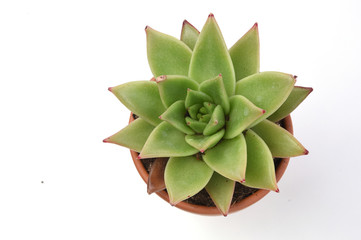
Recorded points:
(57, 59)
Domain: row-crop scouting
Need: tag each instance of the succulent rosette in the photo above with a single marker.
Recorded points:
(211, 112)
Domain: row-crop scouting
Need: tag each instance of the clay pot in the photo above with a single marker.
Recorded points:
(204, 210)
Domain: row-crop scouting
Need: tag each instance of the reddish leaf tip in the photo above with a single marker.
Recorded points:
(211, 15)
(255, 25)
(160, 117)
(110, 89)
(106, 140)
(185, 22)
(202, 150)
(306, 152)
(263, 111)
(161, 78)
(152, 79)
(139, 157)
(309, 89)
(243, 180)
(220, 75)
(277, 190)
(149, 191)
(146, 28)
(294, 76)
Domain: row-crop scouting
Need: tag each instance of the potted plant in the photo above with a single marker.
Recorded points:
(209, 123)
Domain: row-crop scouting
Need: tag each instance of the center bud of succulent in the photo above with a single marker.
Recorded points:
(206, 118)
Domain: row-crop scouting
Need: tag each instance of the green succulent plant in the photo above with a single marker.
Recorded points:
(211, 112)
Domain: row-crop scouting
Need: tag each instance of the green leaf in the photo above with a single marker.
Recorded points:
(245, 54)
(197, 126)
(196, 97)
(193, 110)
(260, 171)
(211, 57)
(281, 142)
(189, 34)
(243, 113)
(216, 122)
(209, 106)
(132, 136)
(215, 89)
(205, 118)
(173, 88)
(267, 90)
(229, 158)
(296, 97)
(221, 190)
(166, 54)
(142, 98)
(202, 143)
(185, 177)
(175, 116)
(166, 141)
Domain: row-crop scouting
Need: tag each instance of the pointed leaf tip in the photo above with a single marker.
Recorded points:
(189, 34)
(106, 140)
(185, 22)
(110, 89)
(211, 15)
(306, 152)
(166, 54)
(294, 77)
(139, 157)
(280, 142)
(277, 190)
(296, 97)
(245, 54)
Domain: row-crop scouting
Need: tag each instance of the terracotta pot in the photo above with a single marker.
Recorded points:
(204, 210)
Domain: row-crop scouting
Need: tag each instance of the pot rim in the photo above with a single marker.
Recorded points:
(204, 210)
